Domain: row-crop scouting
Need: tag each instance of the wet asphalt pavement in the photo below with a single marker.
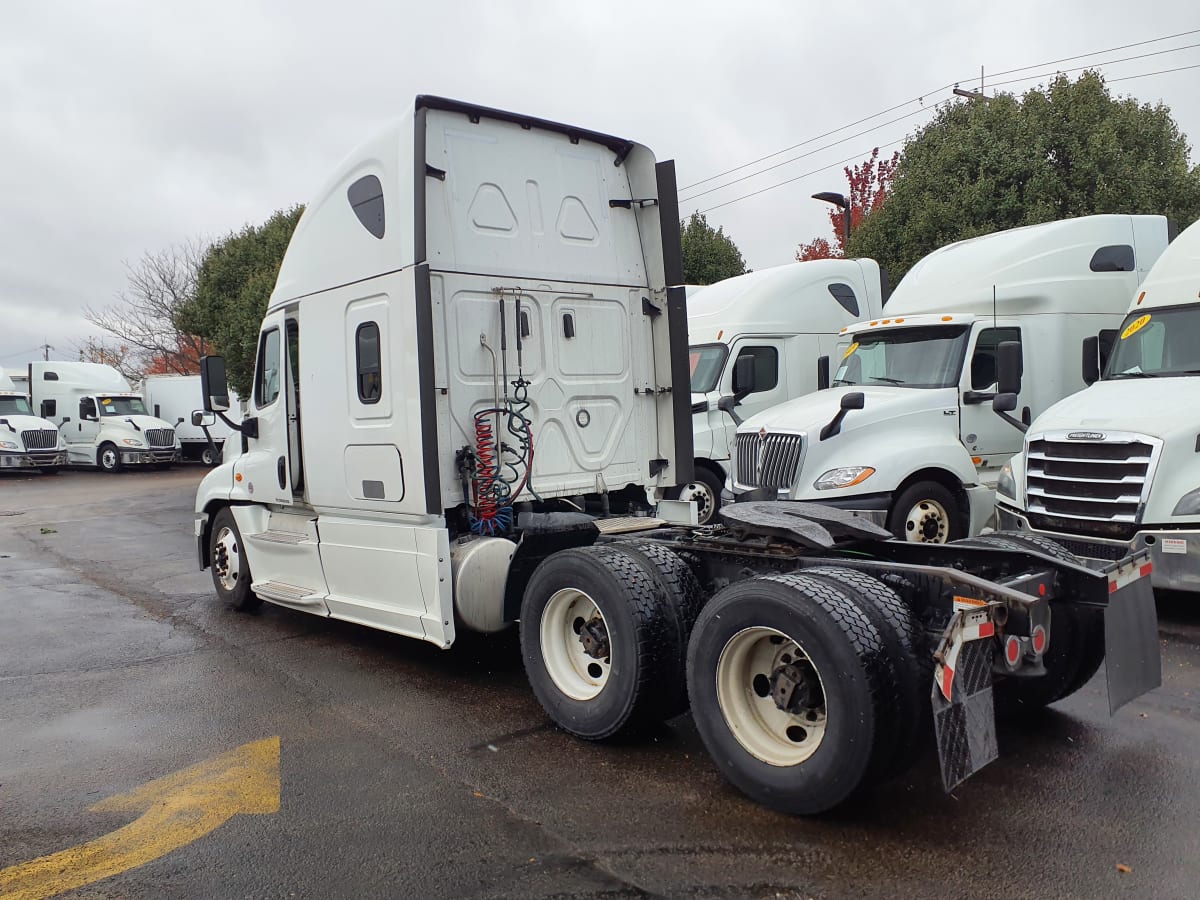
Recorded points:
(412, 772)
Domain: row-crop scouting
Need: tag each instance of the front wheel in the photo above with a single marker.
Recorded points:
(705, 491)
(210, 457)
(49, 470)
(789, 687)
(230, 568)
(108, 458)
(926, 513)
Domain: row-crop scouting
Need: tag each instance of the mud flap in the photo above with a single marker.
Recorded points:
(1132, 658)
(964, 717)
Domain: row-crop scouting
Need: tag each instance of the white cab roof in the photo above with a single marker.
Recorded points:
(1175, 278)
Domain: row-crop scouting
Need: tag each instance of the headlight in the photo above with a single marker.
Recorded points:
(843, 478)
(1007, 485)
(1188, 505)
(8, 445)
(131, 442)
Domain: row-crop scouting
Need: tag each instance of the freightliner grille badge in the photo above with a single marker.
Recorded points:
(1085, 436)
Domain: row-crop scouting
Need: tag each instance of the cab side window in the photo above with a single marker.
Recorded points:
(266, 385)
(766, 368)
(986, 356)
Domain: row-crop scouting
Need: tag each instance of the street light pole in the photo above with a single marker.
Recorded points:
(838, 200)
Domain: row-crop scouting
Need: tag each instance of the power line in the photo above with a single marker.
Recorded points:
(1148, 74)
(920, 98)
(1110, 62)
(23, 352)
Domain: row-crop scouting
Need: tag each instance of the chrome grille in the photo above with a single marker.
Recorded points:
(769, 461)
(40, 439)
(160, 437)
(1093, 487)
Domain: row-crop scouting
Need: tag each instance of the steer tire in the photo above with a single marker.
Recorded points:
(705, 488)
(108, 458)
(641, 681)
(225, 537)
(912, 663)
(933, 495)
(745, 638)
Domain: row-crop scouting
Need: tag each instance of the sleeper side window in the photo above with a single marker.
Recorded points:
(266, 385)
(368, 362)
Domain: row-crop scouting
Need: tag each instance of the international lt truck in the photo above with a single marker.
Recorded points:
(176, 398)
(471, 391)
(783, 323)
(26, 441)
(906, 436)
(1116, 467)
(103, 423)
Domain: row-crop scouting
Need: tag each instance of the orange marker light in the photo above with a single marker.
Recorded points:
(1141, 297)
(237, 477)
(719, 333)
(874, 323)
(978, 460)
(898, 321)
(947, 318)
(887, 321)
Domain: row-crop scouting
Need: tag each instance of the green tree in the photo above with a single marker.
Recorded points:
(1069, 149)
(708, 255)
(234, 282)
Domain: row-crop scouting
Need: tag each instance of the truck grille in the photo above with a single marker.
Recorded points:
(40, 439)
(1092, 487)
(160, 437)
(769, 461)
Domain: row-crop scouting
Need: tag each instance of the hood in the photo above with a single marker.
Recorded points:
(145, 423)
(26, 423)
(882, 402)
(1158, 407)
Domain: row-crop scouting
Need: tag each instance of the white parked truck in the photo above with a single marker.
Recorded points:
(26, 441)
(784, 323)
(1116, 467)
(103, 423)
(471, 386)
(176, 398)
(906, 436)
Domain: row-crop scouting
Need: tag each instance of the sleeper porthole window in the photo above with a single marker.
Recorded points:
(366, 199)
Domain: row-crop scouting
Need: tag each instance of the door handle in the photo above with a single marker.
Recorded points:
(281, 471)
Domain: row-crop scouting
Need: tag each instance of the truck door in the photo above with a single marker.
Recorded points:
(986, 436)
(87, 427)
(267, 466)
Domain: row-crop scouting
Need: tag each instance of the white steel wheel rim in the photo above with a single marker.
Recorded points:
(574, 672)
(702, 495)
(227, 558)
(108, 458)
(927, 523)
(208, 457)
(775, 736)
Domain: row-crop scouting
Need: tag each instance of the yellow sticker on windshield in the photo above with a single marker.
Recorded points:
(1135, 326)
(106, 402)
(850, 349)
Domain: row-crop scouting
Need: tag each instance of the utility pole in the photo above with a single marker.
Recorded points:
(45, 348)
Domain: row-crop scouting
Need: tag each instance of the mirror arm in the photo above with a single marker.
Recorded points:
(1013, 421)
(236, 426)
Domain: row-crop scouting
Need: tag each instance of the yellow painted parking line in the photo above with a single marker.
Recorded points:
(175, 810)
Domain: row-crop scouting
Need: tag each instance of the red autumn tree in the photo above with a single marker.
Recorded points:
(870, 182)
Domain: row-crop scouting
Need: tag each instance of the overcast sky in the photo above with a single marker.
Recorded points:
(131, 126)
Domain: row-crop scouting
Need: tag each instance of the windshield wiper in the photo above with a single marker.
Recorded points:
(1130, 375)
(839, 382)
(888, 380)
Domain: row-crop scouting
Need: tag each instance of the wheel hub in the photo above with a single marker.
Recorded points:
(795, 688)
(593, 635)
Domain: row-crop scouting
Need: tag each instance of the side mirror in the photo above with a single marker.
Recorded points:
(197, 417)
(66, 419)
(214, 387)
(1009, 368)
(822, 372)
(1004, 402)
(854, 400)
(743, 376)
(726, 404)
(179, 421)
(1091, 359)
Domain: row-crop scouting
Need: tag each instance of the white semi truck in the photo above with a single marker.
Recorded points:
(470, 388)
(176, 398)
(906, 436)
(1116, 467)
(102, 421)
(784, 323)
(26, 441)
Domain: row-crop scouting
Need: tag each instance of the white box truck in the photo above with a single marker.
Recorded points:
(26, 441)
(1116, 467)
(102, 421)
(906, 436)
(784, 322)
(176, 398)
(477, 333)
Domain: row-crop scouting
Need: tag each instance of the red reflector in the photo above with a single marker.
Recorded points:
(947, 681)
(1041, 590)
(987, 629)
(1146, 569)
(1112, 587)
(1012, 651)
(1039, 640)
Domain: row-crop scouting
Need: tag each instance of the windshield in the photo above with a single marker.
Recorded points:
(706, 362)
(122, 406)
(1157, 344)
(929, 357)
(14, 406)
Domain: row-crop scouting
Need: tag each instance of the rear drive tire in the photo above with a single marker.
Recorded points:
(601, 642)
(230, 568)
(705, 490)
(108, 458)
(926, 513)
(799, 639)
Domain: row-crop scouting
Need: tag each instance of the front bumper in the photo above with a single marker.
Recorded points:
(150, 457)
(1174, 554)
(19, 460)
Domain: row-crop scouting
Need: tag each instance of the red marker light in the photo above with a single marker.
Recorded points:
(1012, 650)
(1039, 640)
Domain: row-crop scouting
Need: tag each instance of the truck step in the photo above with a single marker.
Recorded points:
(287, 593)
(275, 536)
(626, 524)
